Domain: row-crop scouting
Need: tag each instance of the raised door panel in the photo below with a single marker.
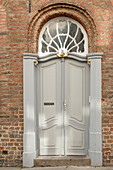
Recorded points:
(49, 92)
(76, 137)
(76, 93)
(50, 108)
(75, 115)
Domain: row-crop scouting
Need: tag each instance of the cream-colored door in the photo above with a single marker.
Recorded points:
(50, 106)
(63, 107)
(77, 109)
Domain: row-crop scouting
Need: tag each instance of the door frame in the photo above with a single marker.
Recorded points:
(30, 136)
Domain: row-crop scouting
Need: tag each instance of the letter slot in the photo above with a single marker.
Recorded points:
(48, 103)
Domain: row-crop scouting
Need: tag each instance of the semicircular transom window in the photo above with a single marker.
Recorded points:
(63, 35)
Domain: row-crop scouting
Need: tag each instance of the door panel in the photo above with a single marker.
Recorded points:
(76, 137)
(75, 92)
(49, 91)
(77, 102)
(49, 136)
(50, 110)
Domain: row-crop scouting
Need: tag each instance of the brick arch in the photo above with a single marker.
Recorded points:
(5, 3)
(77, 13)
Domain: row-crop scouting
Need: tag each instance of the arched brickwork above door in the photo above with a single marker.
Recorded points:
(59, 10)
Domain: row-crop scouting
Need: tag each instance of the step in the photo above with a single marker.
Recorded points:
(54, 161)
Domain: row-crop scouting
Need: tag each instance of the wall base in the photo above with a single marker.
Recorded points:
(96, 158)
(28, 158)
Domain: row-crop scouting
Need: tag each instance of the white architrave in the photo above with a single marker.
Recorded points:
(95, 130)
(30, 114)
(30, 129)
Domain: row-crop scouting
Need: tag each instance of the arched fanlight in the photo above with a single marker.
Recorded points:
(63, 35)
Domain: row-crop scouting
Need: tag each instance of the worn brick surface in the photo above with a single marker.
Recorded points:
(19, 31)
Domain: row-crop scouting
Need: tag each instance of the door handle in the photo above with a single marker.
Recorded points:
(65, 105)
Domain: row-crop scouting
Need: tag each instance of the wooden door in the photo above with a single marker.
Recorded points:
(63, 107)
(50, 107)
(77, 112)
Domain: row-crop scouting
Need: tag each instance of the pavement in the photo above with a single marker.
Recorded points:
(58, 168)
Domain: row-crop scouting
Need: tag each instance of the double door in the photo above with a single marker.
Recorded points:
(63, 91)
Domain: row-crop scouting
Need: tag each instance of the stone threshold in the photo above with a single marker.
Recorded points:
(54, 161)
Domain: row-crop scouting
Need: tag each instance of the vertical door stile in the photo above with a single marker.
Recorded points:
(87, 94)
(59, 104)
(66, 107)
(62, 99)
(38, 108)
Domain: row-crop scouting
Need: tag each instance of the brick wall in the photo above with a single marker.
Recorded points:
(13, 21)
(19, 32)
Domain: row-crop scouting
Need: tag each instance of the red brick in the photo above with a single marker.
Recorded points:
(17, 36)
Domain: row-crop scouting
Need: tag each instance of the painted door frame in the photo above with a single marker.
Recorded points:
(30, 137)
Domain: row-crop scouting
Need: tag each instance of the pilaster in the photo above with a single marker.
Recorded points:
(95, 130)
(30, 130)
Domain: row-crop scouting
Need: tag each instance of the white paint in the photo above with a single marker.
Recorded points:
(57, 124)
(54, 24)
(77, 115)
(95, 130)
(30, 131)
(31, 140)
(49, 115)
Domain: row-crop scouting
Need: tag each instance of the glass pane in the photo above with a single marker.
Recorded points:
(54, 45)
(79, 36)
(51, 49)
(73, 49)
(62, 27)
(73, 29)
(63, 33)
(46, 36)
(57, 41)
(68, 41)
(62, 38)
(52, 30)
(44, 47)
(71, 45)
(81, 47)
